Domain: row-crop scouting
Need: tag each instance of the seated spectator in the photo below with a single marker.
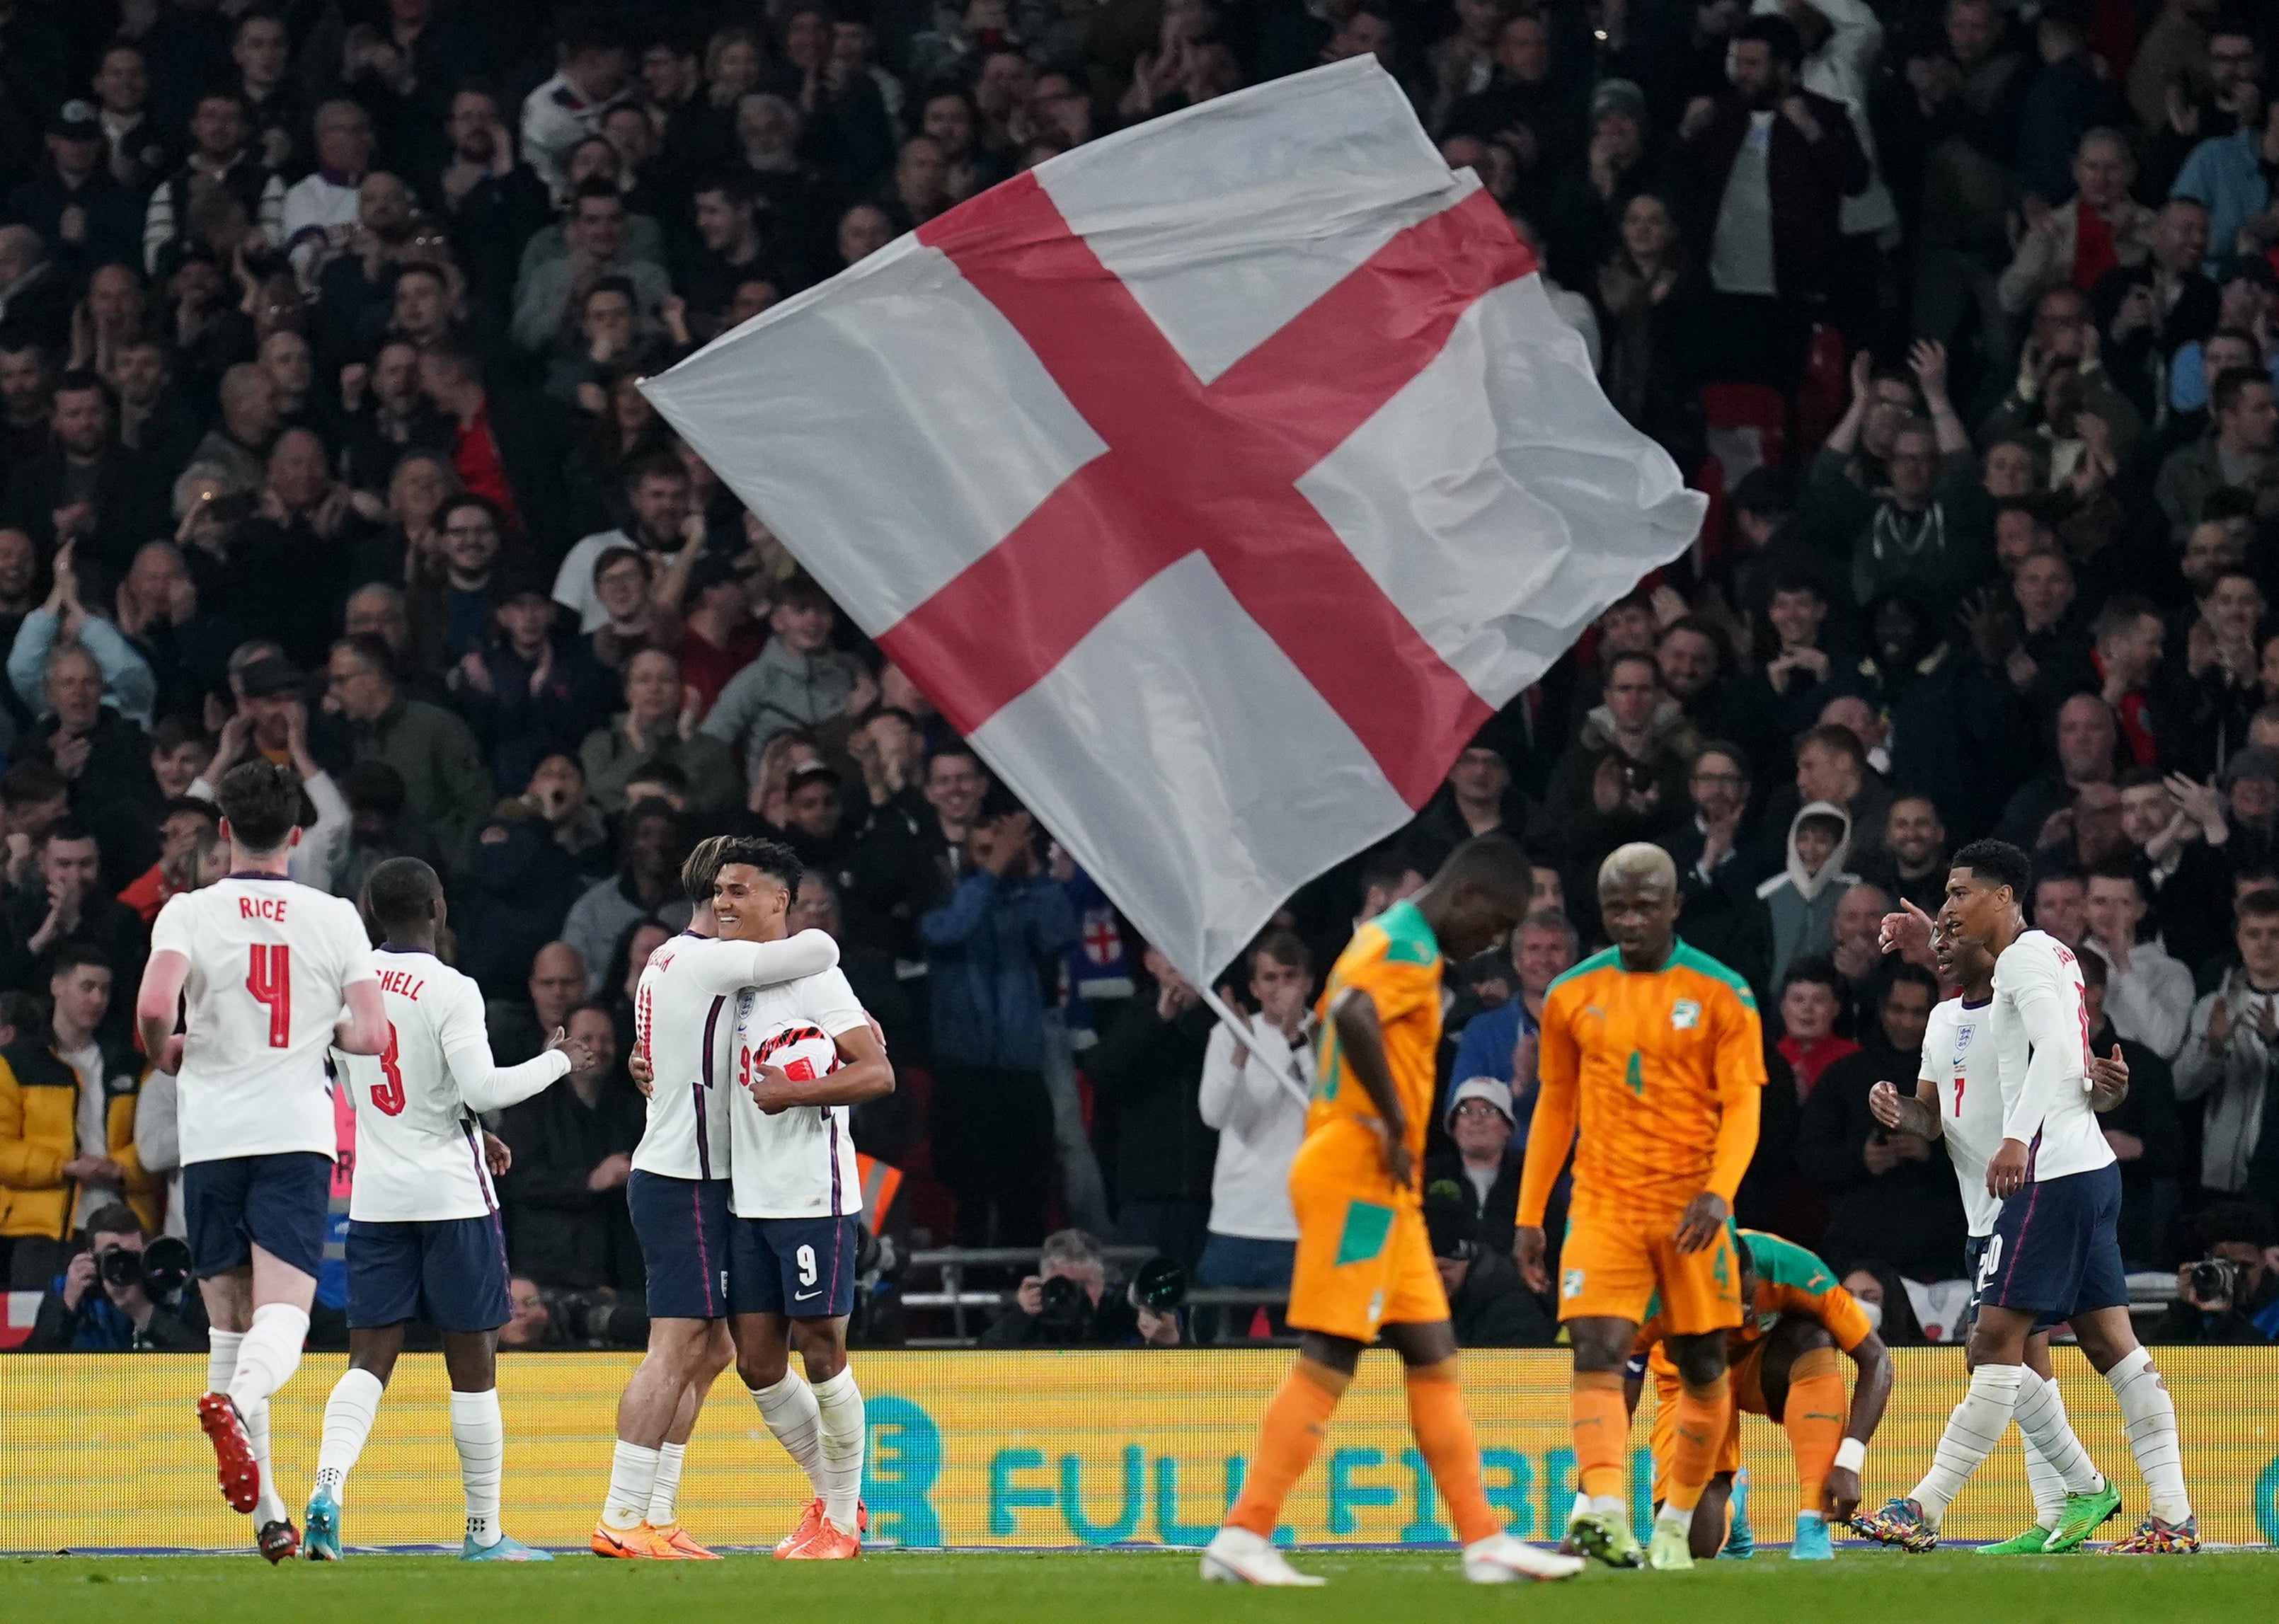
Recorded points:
(1259, 1113)
(1486, 1144)
(1811, 1001)
(2099, 227)
(66, 1121)
(223, 162)
(1146, 1073)
(554, 986)
(647, 883)
(85, 486)
(611, 335)
(96, 1306)
(572, 1156)
(1853, 933)
(1796, 909)
(67, 910)
(2178, 842)
(387, 419)
(2062, 906)
(633, 622)
(1489, 1307)
(85, 730)
(1880, 1293)
(2235, 1304)
(2087, 739)
(2238, 451)
(2224, 1064)
(550, 295)
(445, 784)
(815, 825)
(993, 1122)
(2149, 311)
(2145, 1130)
(1089, 1316)
(657, 724)
(1624, 775)
(450, 598)
(1912, 866)
(190, 857)
(1715, 855)
(1802, 672)
(798, 681)
(718, 637)
(1894, 1192)
(531, 690)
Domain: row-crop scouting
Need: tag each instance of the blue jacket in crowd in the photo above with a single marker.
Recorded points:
(986, 948)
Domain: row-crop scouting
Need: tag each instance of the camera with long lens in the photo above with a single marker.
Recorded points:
(2214, 1280)
(162, 1269)
(597, 1318)
(1160, 1287)
(1066, 1313)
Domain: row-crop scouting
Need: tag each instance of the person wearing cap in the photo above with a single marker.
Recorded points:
(1484, 1158)
(1489, 1307)
(81, 212)
(530, 690)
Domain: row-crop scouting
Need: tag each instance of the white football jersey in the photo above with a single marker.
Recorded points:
(1961, 1062)
(269, 960)
(685, 1020)
(419, 1147)
(2041, 1028)
(798, 1163)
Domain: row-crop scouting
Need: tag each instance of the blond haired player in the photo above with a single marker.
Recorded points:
(1364, 1266)
(1656, 1049)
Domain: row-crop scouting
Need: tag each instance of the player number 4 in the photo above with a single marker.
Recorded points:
(388, 1096)
(269, 978)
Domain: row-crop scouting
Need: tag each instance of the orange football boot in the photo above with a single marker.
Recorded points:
(639, 1541)
(677, 1538)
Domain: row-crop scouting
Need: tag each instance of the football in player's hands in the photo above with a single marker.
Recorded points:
(772, 1089)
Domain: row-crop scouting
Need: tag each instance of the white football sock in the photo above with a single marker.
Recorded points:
(633, 1473)
(2049, 1488)
(222, 1359)
(1681, 1521)
(269, 1355)
(2042, 1418)
(791, 1414)
(840, 1402)
(1605, 1505)
(348, 1415)
(2151, 1415)
(1972, 1431)
(663, 1511)
(480, 1434)
(268, 1505)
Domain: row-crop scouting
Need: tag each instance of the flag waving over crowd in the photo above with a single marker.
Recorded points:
(1217, 479)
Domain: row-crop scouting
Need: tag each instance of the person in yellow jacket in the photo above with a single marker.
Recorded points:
(61, 1093)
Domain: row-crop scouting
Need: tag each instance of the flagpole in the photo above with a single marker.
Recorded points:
(1280, 1065)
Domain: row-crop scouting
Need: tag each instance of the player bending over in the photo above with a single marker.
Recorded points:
(1783, 1367)
(264, 966)
(1364, 1266)
(678, 1194)
(1656, 1048)
(1959, 1098)
(424, 1237)
(804, 1052)
(2054, 1255)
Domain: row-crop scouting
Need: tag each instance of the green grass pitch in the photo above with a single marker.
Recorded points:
(1365, 1586)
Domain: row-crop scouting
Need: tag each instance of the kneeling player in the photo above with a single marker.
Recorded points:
(804, 1052)
(424, 1237)
(1783, 1366)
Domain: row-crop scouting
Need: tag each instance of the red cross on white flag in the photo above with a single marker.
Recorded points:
(1217, 479)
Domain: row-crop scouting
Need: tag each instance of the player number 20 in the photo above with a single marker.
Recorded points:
(805, 1258)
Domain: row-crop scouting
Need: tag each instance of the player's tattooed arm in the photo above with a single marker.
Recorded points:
(2108, 1081)
(1916, 1113)
(1362, 1041)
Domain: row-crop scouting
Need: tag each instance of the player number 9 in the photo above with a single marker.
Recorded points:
(806, 1258)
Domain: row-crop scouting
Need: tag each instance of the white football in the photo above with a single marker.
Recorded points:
(801, 1050)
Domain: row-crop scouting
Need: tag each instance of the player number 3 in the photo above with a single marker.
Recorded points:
(388, 1096)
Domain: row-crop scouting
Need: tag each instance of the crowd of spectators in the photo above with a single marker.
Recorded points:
(319, 330)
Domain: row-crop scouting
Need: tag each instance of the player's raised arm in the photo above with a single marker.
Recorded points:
(484, 1084)
(1360, 1040)
(156, 1005)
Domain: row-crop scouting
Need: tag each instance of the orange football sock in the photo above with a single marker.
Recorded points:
(1444, 1438)
(1602, 1429)
(1814, 1417)
(1288, 1435)
(1704, 1415)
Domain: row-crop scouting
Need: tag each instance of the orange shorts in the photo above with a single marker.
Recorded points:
(1615, 1269)
(1746, 1376)
(1364, 1259)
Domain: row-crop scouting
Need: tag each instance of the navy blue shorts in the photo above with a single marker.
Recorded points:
(802, 1268)
(682, 1224)
(449, 1272)
(279, 1203)
(2056, 1248)
(1974, 1270)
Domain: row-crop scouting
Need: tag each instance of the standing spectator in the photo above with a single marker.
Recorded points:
(1625, 773)
(445, 783)
(2230, 174)
(84, 216)
(798, 681)
(85, 486)
(324, 208)
(511, 454)
(89, 692)
(1486, 1148)
(222, 166)
(1259, 1113)
(531, 690)
(551, 295)
(572, 1156)
(2145, 1130)
(2225, 1065)
(992, 1119)
(1499, 1043)
(1768, 166)
(1146, 1075)
(1796, 909)
(594, 68)
(656, 496)
(2237, 452)
(645, 886)
(657, 724)
(910, 856)
(67, 1124)
(1811, 1001)
(1892, 1194)
(2099, 227)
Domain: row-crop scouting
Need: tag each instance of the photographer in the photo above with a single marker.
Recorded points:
(120, 1297)
(1489, 1305)
(2230, 1297)
(1066, 1304)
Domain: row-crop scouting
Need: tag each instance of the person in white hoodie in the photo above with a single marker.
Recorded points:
(1259, 1114)
(2148, 990)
